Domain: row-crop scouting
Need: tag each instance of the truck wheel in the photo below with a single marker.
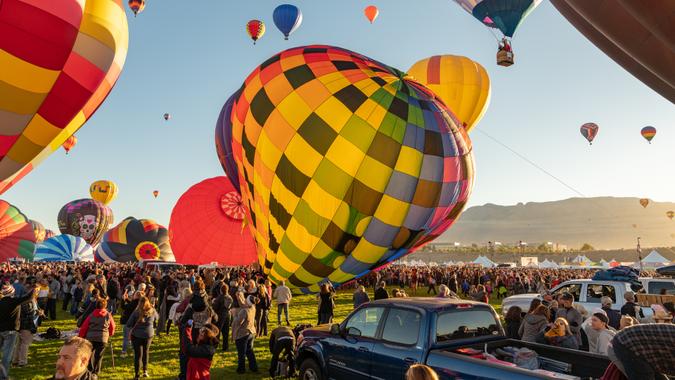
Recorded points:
(310, 370)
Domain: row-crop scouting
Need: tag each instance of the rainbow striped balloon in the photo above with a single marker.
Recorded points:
(134, 240)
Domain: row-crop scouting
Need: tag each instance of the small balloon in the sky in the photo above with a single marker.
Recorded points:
(648, 133)
(69, 143)
(137, 6)
(287, 18)
(255, 29)
(644, 202)
(589, 131)
(155, 193)
(371, 13)
(670, 214)
(167, 116)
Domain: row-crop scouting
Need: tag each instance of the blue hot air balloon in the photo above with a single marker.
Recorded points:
(287, 18)
(64, 248)
(224, 141)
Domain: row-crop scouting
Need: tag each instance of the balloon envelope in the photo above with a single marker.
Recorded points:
(287, 19)
(255, 29)
(55, 74)
(648, 133)
(352, 166)
(64, 248)
(133, 240)
(644, 202)
(103, 191)
(505, 15)
(224, 142)
(670, 214)
(17, 238)
(202, 232)
(462, 84)
(69, 143)
(86, 218)
(371, 13)
(39, 231)
(589, 131)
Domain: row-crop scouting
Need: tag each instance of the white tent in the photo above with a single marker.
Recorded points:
(548, 264)
(654, 259)
(484, 262)
(603, 263)
(581, 259)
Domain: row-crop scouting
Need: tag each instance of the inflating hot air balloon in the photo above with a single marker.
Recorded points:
(39, 231)
(134, 240)
(49, 233)
(638, 35)
(223, 238)
(352, 165)
(167, 116)
(64, 248)
(589, 131)
(17, 238)
(69, 143)
(155, 193)
(255, 29)
(371, 13)
(137, 6)
(670, 214)
(462, 84)
(502, 15)
(86, 218)
(287, 18)
(58, 60)
(224, 142)
(103, 191)
(648, 133)
(644, 202)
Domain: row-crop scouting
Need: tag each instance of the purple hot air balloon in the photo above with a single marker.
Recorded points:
(86, 218)
(224, 141)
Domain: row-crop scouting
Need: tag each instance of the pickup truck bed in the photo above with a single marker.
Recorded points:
(448, 363)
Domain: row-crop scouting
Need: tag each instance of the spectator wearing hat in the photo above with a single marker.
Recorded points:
(645, 351)
(10, 310)
(73, 360)
(599, 334)
(243, 333)
(567, 311)
(613, 315)
(630, 307)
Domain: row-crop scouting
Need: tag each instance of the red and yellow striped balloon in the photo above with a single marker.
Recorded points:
(54, 75)
(255, 29)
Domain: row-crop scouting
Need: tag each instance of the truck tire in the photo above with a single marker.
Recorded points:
(310, 370)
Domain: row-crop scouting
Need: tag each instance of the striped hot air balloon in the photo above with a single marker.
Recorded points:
(589, 131)
(136, 6)
(255, 29)
(64, 248)
(17, 238)
(69, 143)
(648, 133)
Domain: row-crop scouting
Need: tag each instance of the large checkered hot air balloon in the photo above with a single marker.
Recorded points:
(344, 164)
(133, 240)
(58, 60)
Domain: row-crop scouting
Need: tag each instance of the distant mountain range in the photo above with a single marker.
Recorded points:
(603, 222)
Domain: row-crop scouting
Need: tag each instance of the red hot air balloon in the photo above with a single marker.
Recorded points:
(589, 131)
(69, 143)
(371, 13)
(255, 29)
(207, 226)
(136, 6)
(155, 193)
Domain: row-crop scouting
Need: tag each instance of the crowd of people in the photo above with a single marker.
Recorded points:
(215, 308)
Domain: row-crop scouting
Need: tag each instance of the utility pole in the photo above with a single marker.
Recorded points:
(639, 252)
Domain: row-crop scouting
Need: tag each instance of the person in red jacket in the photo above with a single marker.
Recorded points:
(200, 353)
(98, 328)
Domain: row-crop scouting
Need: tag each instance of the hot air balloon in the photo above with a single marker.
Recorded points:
(39, 231)
(644, 202)
(352, 165)
(155, 193)
(670, 214)
(167, 116)
(223, 239)
(69, 143)
(17, 238)
(134, 240)
(255, 29)
(502, 15)
(589, 131)
(224, 142)
(86, 218)
(637, 35)
(64, 248)
(137, 6)
(371, 13)
(287, 18)
(103, 191)
(462, 84)
(49, 233)
(55, 74)
(648, 133)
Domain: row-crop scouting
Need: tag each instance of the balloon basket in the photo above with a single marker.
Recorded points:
(505, 58)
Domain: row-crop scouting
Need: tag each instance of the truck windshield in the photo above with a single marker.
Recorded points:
(465, 323)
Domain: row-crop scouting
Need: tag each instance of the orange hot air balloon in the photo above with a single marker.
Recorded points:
(670, 214)
(69, 143)
(136, 6)
(255, 29)
(155, 193)
(644, 202)
(371, 13)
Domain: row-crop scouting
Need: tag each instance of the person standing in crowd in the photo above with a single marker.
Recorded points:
(645, 352)
(567, 311)
(283, 296)
(360, 296)
(513, 320)
(599, 335)
(200, 352)
(243, 333)
(54, 289)
(534, 323)
(97, 328)
(420, 372)
(73, 360)
(282, 340)
(129, 305)
(66, 285)
(10, 310)
(262, 309)
(27, 327)
(222, 306)
(77, 292)
(102, 287)
(170, 297)
(613, 315)
(326, 305)
(141, 329)
(431, 282)
(630, 307)
(113, 291)
(381, 291)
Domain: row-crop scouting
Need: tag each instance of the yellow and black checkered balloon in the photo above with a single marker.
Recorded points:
(344, 164)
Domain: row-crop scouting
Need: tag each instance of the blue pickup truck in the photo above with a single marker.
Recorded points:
(381, 339)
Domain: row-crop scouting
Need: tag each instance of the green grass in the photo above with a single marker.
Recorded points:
(163, 363)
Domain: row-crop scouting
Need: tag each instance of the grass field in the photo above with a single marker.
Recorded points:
(163, 362)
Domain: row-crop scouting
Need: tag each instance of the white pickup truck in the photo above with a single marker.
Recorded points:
(587, 293)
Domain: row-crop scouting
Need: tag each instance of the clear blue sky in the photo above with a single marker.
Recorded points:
(186, 59)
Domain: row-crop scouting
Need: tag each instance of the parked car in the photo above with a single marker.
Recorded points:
(381, 339)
